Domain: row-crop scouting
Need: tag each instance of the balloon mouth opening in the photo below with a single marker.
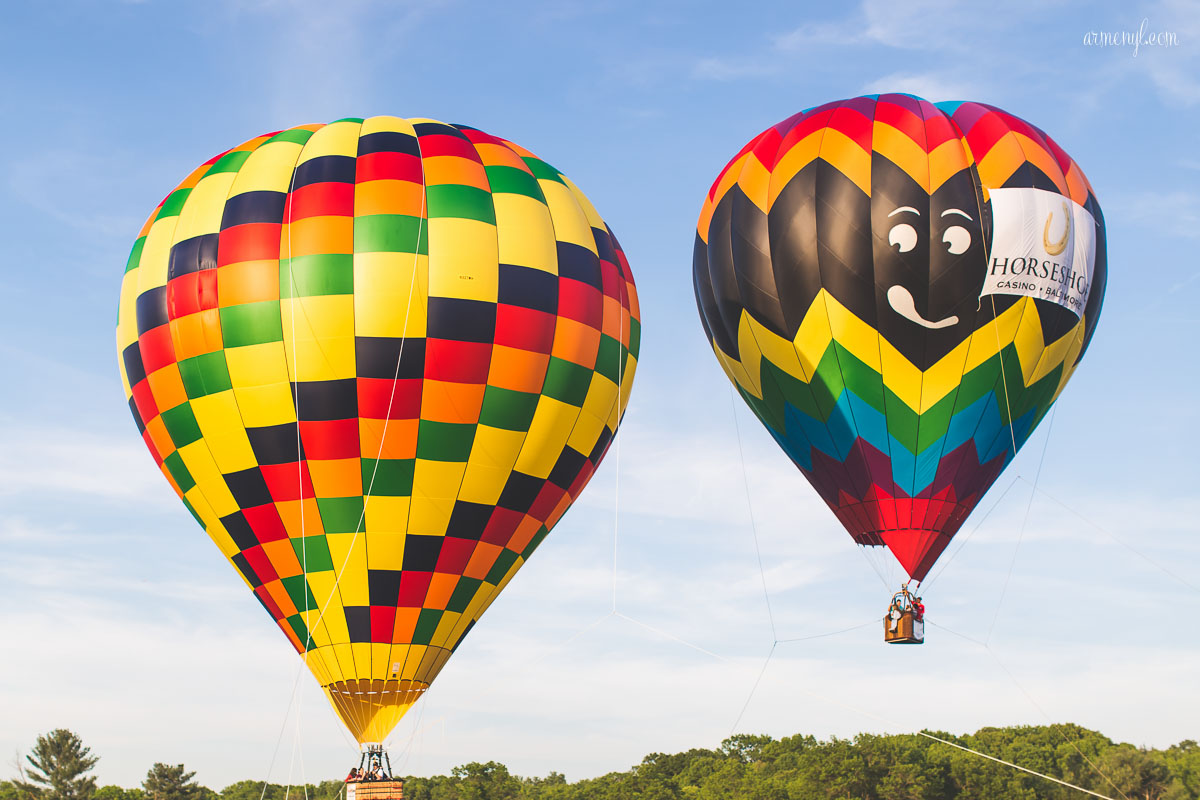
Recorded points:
(371, 708)
(369, 688)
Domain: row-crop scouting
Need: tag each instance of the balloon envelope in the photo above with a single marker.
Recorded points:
(900, 290)
(378, 360)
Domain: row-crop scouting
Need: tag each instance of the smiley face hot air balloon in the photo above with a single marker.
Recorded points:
(377, 359)
(900, 290)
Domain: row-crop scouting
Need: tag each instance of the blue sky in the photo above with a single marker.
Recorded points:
(121, 621)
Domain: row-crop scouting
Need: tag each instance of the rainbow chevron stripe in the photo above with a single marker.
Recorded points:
(900, 453)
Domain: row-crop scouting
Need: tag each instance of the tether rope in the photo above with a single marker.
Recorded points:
(926, 734)
(1024, 523)
(666, 635)
(1042, 775)
(753, 688)
(279, 739)
(300, 755)
(830, 633)
(771, 652)
(300, 482)
(620, 413)
(1120, 541)
(1036, 705)
(412, 736)
(750, 509)
(287, 790)
(1008, 410)
(875, 565)
(942, 568)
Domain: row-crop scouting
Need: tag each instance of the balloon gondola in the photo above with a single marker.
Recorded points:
(373, 778)
(900, 290)
(904, 622)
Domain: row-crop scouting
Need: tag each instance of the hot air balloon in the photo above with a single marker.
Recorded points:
(377, 360)
(900, 290)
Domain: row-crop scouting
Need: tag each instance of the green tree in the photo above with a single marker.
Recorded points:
(118, 793)
(747, 767)
(744, 747)
(254, 790)
(9, 790)
(490, 781)
(1133, 772)
(1183, 765)
(172, 782)
(58, 768)
(326, 790)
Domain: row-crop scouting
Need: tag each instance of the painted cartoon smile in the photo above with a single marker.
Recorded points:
(901, 301)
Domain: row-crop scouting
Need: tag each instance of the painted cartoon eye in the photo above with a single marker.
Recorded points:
(957, 239)
(903, 236)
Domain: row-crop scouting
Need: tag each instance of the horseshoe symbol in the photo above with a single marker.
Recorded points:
(1055, 248)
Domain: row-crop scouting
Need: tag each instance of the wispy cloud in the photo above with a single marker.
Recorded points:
(706, 480)
(1175, 71)
(226, 679)
(725, 69)
(1176, 212)
(933, 86)
(75, 187)
(932, 25)
(104, 582)
(779, 49)
(325, 56)
(66, 463)
(847, 31)
(1176, 80)
(875, 23)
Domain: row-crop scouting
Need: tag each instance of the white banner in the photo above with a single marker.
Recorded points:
(1043, 246)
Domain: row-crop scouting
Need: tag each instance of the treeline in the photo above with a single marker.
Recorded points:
(744, 767)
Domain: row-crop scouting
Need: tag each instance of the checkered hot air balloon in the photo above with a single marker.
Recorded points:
(378, 360)
(900, 290)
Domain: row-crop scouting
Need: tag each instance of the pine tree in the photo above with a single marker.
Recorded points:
(57, 767)
(171, 782)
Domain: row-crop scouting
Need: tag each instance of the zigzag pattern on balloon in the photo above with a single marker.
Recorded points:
(916, 135)
(824, 392)
(919, 448)
(920, 390)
